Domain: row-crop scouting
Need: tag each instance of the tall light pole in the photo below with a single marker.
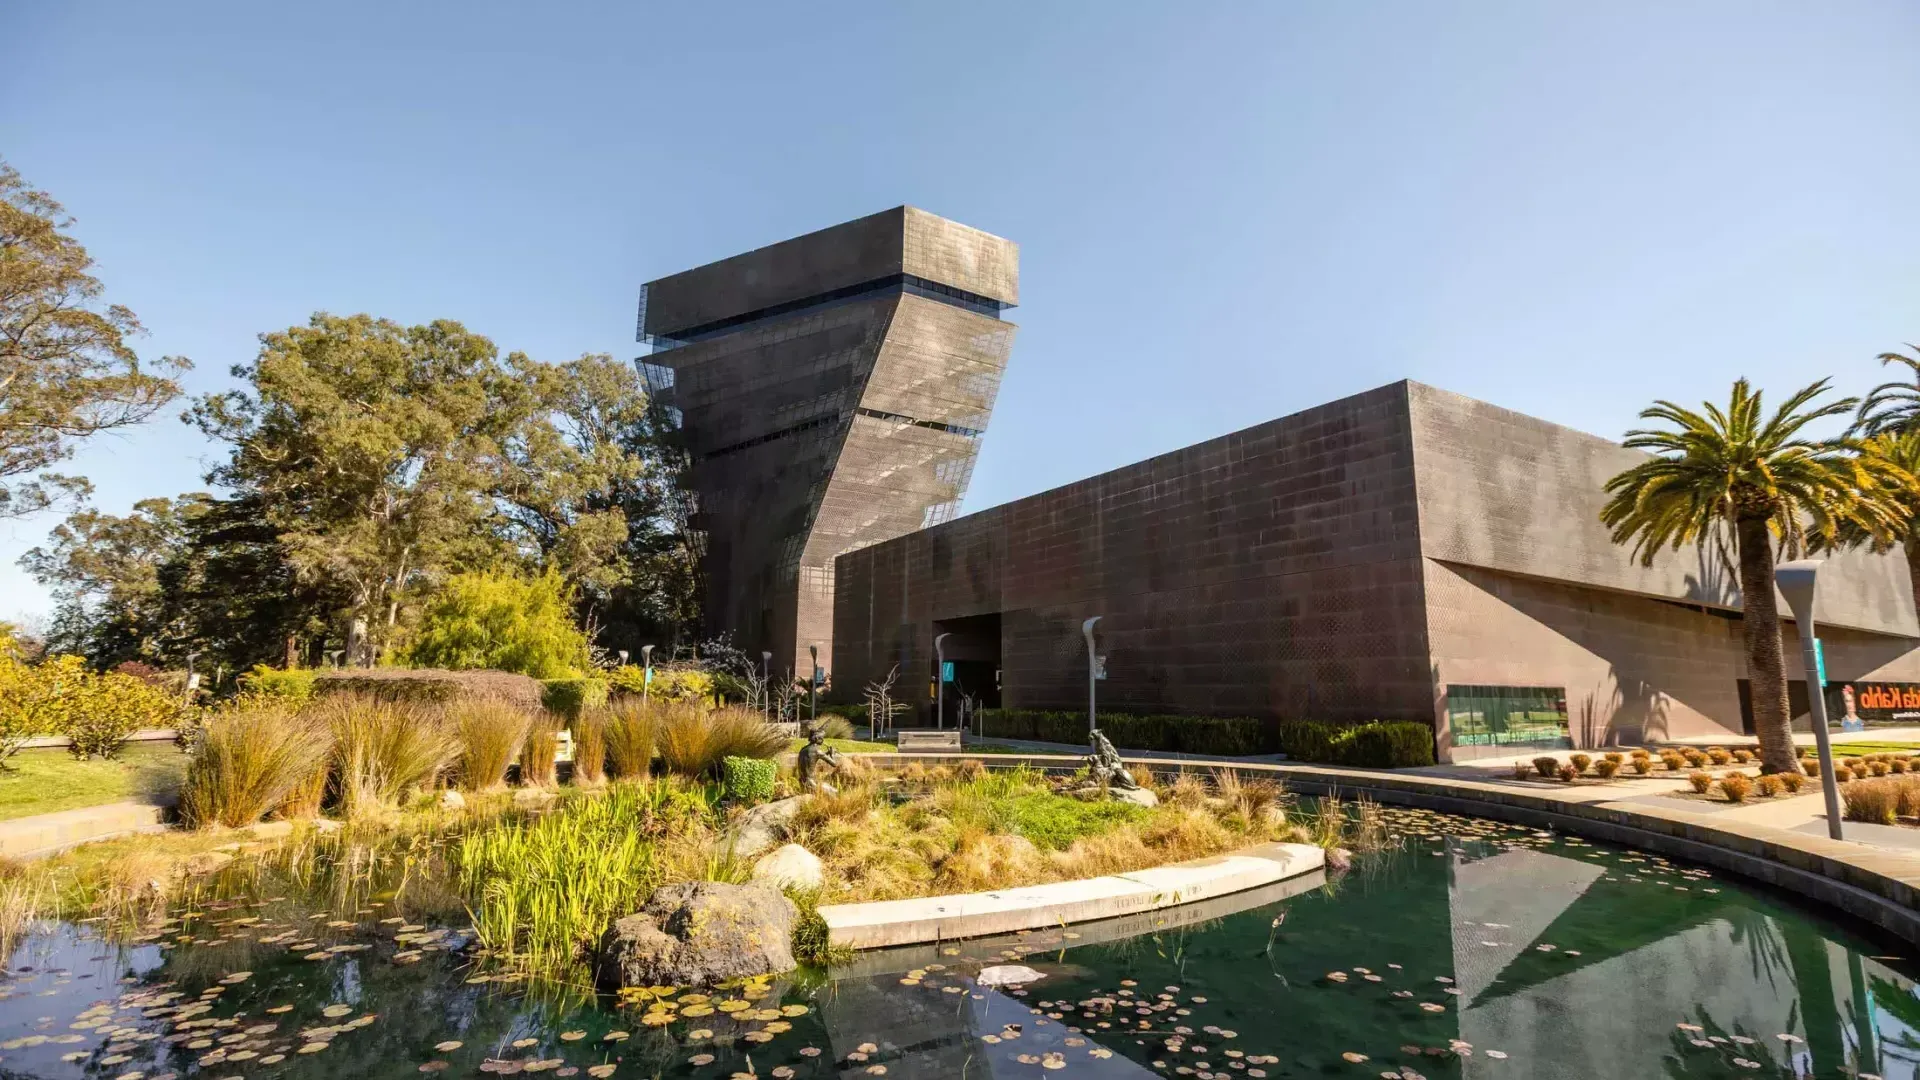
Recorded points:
(1796, 581)
(940, 680)
(646, 677)
(766, 686)
(813, 687)
(1093, 672)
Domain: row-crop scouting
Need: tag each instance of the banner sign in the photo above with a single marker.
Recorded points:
(1852, 705)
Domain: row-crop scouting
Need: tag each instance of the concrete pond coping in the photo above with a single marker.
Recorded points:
(1876, 885)
(886, 923)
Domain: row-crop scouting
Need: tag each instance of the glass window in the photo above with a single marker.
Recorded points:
(1517, 716)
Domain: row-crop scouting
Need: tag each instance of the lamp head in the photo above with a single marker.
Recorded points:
(1796, 581)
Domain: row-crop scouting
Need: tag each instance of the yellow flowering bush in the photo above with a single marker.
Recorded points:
(61, 696)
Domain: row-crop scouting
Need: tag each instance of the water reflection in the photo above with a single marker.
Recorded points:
(1479, 951)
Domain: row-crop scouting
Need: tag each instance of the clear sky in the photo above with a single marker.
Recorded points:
(1227, 211)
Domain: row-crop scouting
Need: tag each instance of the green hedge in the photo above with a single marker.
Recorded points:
(748, 780)
(1377, 744)
(571, 697)
(288, 684)
(430, 685)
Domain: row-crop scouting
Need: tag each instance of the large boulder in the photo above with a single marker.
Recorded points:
(790, 867)
(1136, 796)
(762, 827)
(698, 933)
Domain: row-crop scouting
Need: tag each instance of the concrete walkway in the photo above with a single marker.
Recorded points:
(48, 834)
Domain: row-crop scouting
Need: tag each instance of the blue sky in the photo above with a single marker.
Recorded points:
(1227, 212)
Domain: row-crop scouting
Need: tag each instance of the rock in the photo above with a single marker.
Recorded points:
(325, 825)
(271, 830)
(534, 797)
(1339, 860)
(205, 863)
(452, 800)
(790, 867)
(698, 933)
(1136, 796)
(763, 827)
(1087, 793)
(1008, 975)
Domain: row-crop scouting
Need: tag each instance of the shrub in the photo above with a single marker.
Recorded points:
(1615, 756)
(537, 753)
(835, 727)
(1842, 774)
(568, 698)
(1639, 752)
(1898, 765)
(292, 685)
(1384, 745)
(1605, 768)
(247, 763)
(747, 780)
(1580, 761)
(1642, 765)
(1736, 786)
(1306, 740)
(1794, 781)
(1876, 804)
(590, 747)
(694, 741)
(1771, 785)
(1854, 763)
(1673, 761)
(1743, 756)
(426, 686)
(1880, 768)
(1811, 767)
(1718, 755)
(1522, 771)
(1909, 789)
(491, 732)
(1568, 774)
(1694, 757)
(1549, 766)
(630, 735)
(103, 710)
(669, 683)
(503, 622)
(1702, 782)
(382, 750)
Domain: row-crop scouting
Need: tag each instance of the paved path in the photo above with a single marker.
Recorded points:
(47, 834)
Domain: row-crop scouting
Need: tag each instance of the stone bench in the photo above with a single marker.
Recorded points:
(927, 742)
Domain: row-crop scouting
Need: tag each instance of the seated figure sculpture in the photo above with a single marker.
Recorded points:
(815, 758)
(1104, 765)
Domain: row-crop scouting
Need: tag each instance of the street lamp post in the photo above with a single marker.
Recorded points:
(1093, 672)
(646, 677)
(940, 680)
(1797, 581)
(766, 686)
(813, 687)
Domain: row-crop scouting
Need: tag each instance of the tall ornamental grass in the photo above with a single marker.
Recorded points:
(589, 746)
(249, 762)
(630, 730)
(383, 750)
(540, 888)
(537, 753)
(694, 741)
(490, 732)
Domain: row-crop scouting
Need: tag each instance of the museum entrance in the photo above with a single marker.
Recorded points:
(972, 672)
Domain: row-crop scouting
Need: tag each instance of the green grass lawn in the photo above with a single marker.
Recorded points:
(1859, 749)
(42, 781)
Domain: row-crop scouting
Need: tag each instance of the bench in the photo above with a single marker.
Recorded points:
(927, 742)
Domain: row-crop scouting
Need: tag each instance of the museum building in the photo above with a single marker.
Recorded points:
(1405, 553)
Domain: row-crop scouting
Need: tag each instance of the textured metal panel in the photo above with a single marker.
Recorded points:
(1505, 491)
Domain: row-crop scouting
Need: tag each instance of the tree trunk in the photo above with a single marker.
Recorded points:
(1766, 664)
(293, 651)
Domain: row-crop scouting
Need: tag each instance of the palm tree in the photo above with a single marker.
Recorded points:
(1895, 453)
(1892, 405)
(1737, 474)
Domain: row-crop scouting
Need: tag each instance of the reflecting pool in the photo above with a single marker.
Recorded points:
(1474, 950)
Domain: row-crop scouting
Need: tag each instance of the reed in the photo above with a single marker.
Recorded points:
(537, 751)
(694, 741)
(248, 762)
(491, 731)
(382, 750)
(630, 732)
(590, 747)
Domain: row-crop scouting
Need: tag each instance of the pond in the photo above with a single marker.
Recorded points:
(1475, 950)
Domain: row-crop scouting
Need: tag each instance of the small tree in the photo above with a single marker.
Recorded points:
(881, 708)
(506, 622)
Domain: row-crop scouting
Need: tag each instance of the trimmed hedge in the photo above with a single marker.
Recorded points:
(571, 697)
(748, 780)
(1377, 744)
(293, 685)
(430, 685)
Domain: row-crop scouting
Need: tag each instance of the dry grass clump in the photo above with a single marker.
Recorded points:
(1580, 761)
(1810, 767)
(1702, 781)
(382, 750)
(1642, 765)
(969, 769)
(693, 740)
(1605, 768)
(1719, 755)
(1674, 760)
(1772, 784)
(249, 762)
(630, 731)
(537, 751)
(1736, 786)
(1793, 781)
(1549, 767)
(490, 731)
(590, 747)
(1615, 756)
(1875, 804)
(1879, 768)
(1842, 774)
(1743, 756)
(22, 899)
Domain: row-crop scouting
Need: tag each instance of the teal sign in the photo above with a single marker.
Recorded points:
(946, 671)
(1819, 664)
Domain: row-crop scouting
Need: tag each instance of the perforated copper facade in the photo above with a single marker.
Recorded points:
(832, 391)
(1349, 562)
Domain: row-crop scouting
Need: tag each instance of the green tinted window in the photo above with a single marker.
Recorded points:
(1508, 715)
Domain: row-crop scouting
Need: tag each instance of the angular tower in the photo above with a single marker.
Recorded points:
(832, 390)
